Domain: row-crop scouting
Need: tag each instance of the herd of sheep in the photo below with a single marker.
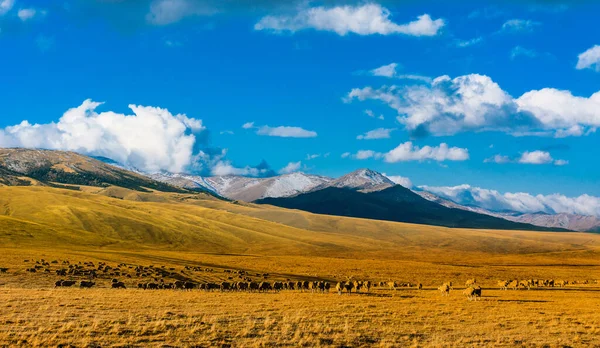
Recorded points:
(160, 278)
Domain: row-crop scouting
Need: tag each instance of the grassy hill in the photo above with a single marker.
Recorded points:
(22, 167)
(123, 219)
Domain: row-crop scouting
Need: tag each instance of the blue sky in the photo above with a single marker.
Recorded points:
(507, 87)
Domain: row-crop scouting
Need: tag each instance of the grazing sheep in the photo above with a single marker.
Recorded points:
(58, 283)
(253, 286)
(445, 289)
(225, 286)
(367, 285)
(264, 286)
(525, 284)
(503, 284)
(327, 286)
(473, 292)
(348, 286)
(513, 284)
(118, 285)
(68, 283)
(278, 286)
(86, 284)
(420, 286)
(339, 287)
(392, 285)
(561, 283)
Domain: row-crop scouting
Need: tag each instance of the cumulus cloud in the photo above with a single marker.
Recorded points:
(519, 26)
(291, 167)
(379, 133)
(151, 139)
(519, 202)
(367, 19)
(590, 59)
(536, 157)
(400, 180)
(408, 152)
(5, 6)
(476, 103)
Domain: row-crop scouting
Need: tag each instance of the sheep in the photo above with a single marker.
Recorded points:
(392, 285)
(420, 286)
(470, 282)
(503, 284)
(118, 285)
(86, 284)
(445, 289)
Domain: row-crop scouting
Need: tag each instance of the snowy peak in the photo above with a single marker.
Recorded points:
(365, 180)
(244, 188)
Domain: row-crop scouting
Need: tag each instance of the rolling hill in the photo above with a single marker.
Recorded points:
(396, 203)
(69, 170)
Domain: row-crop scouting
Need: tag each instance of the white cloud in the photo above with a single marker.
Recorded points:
(536, 157)
(409, 152)
(291, 168)
(386, 70)
(500, 159)
(390, 71)
(561, 162)
(519, 25)
(367, 19)
(366, 154)
(520, 202)
(285, 132)
(151, 139)
(164, 12)
(522, 51)
(248, 125)
(226, 132)
(225, 168)
(26, 14)
(400, 180)
(5, 6)
(468, 43)
(590, 59)
(312, 156)
(476, 103)
(370, 113)
(346, 154)
(379, 133)
(528, 157)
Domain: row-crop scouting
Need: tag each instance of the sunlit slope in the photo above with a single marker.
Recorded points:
(57, 218)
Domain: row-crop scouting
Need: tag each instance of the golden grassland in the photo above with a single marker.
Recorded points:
(116, 225)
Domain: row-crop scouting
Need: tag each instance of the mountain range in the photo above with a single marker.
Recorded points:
(362, 181)
(362, 193)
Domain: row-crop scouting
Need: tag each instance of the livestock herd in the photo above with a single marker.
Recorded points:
(187, 278)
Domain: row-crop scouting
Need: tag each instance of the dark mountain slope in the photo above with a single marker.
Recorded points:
(393, 204)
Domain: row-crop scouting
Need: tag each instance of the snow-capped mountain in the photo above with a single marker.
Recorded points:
(364, 180)
(247, 189)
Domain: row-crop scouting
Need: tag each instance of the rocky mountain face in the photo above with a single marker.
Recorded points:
(59, 168)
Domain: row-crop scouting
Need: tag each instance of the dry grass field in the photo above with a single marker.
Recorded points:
(182, 236)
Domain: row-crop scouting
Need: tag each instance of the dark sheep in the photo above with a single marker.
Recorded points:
(118, 285)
